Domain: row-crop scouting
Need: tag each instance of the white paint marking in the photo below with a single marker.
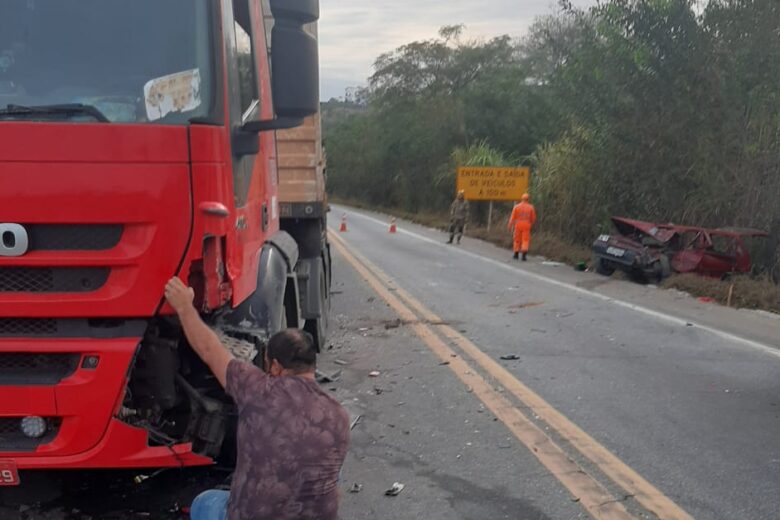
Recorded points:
(766, 349)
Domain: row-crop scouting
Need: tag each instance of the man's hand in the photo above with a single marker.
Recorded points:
(179, 295)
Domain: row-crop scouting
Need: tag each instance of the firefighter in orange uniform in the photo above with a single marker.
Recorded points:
(520, 223)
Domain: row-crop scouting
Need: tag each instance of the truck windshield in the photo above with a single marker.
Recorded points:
(139, 61)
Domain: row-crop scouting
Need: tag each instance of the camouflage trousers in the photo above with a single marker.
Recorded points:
(456, 228)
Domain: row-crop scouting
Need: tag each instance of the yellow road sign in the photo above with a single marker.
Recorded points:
(489, 183)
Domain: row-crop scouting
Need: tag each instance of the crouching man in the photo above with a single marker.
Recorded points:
(292, 435)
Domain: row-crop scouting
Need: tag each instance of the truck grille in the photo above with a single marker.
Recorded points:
(102, 328)
(66, 237)
(28, 327)
(21, 369)
(52, 279)
(12, 439)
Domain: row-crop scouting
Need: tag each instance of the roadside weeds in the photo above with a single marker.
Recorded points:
(746, 293)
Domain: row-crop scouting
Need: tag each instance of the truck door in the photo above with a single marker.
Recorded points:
(246, 70)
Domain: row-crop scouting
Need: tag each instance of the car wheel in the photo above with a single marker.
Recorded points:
(663, 269)
(602, 267)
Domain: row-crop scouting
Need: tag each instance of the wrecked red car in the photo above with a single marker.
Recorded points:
(650, 252)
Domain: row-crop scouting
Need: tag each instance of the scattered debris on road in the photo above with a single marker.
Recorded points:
(326, 378)
(356, 488)
(374, 373)
(528, 305)
(510, 357)
(395, 490)
(392, 324)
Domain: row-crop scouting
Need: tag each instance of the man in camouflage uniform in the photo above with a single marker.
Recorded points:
(459, 215)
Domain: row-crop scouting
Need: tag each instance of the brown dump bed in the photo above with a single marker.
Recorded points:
(301, 163)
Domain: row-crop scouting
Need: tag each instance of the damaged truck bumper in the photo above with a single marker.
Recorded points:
(59, 407)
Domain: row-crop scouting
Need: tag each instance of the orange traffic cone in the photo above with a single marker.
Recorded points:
(393, 227)
(343, 228)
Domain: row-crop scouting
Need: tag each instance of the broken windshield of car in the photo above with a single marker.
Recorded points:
(103, 53)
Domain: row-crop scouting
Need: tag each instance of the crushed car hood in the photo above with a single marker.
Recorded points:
(663, 233)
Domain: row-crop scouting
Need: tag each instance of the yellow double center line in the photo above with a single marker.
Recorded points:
(592, 494)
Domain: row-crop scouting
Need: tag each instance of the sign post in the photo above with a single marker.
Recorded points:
(481, 183)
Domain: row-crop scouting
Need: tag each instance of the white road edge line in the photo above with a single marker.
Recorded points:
(766, 349)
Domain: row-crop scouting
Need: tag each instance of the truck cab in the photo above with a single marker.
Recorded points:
(137, 143)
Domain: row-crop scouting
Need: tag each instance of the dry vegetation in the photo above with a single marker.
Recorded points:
(747, 293)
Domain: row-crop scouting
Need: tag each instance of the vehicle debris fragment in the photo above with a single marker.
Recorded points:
(393, 324)
(526, 305)
(395, 490)
(328, 378)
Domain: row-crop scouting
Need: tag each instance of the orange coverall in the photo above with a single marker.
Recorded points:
(522, 220)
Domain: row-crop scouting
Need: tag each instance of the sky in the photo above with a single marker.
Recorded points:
(353, 33)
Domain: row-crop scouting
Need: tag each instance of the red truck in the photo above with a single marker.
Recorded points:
(137, 142)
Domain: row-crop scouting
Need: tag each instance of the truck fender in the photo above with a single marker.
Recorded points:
(277, 288)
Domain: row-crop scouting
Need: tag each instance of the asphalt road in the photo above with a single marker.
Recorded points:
(684, 394)
(624, 402)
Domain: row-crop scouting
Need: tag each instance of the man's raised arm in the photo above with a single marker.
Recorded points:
(200, 337)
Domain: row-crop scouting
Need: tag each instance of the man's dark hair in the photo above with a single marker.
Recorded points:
(293, 349)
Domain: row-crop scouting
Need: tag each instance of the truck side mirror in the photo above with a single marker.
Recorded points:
(295, 59)
(295, 73)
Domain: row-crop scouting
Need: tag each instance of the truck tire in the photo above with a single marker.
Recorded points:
(602, 267)
(314, 275)
(309, 234)
(318, 328)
